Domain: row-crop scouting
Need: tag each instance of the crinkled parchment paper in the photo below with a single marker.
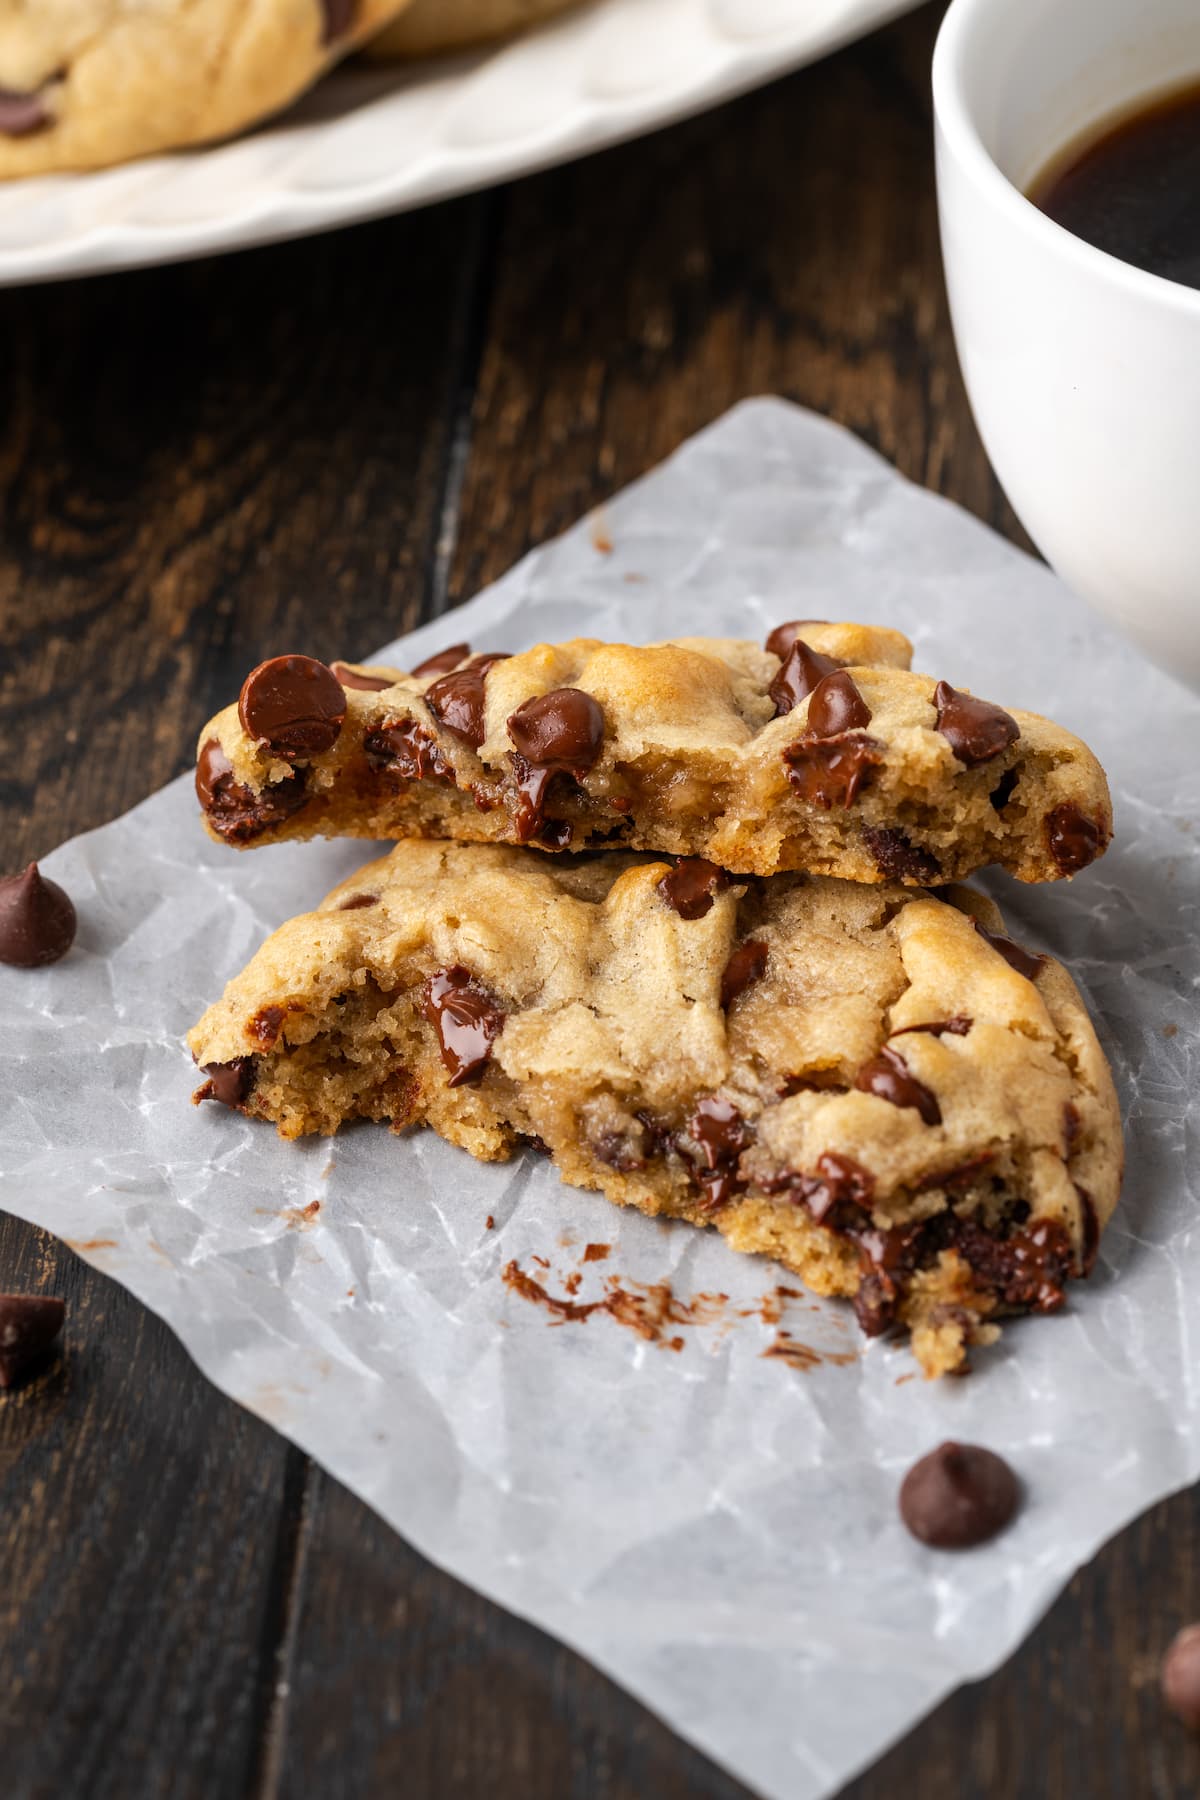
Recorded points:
(715, 1528)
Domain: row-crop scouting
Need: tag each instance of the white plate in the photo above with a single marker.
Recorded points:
(374, 141)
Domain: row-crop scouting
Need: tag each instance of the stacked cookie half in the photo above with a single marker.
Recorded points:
(682, 916)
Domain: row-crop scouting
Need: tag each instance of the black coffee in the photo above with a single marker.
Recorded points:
(1132, 187)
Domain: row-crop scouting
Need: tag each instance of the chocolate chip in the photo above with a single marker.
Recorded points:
(840, 1183)
(746, 966)
(559, 733)
(691, 886)
(958, 1496)
(1072, 1125)
(1181, 1677)
(780, 641)
(1003, 791)
(442, 661)
(620, 1150)
(407, 751)
(1025, 962)
(466, 1017)
(835, 705)
(357, 901)
(267, 1024)
(292, 704)
(21, 114)
(233, 810)
(337, 17)
(457, 700)
(1089, 1224)
(229, 1082)
(37, 920)
(721, 1132)
(974, 729)
(355, 678)
(957, 1026)
(29, 1324)
(899, 859)
(831, 774)
(1074, 839)
(889, 1078)
(801, 671)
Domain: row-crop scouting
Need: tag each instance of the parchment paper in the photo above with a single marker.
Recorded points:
(713, 1527)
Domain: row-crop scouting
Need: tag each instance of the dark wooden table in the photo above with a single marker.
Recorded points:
(314, 447)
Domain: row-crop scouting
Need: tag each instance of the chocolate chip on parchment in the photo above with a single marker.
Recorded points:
(359, 679)
(958, 1496)
(1075, 840)
(1025, 962)
(29, 1324)
(22, 113)
(780, 641)
(746, 966)
(889, 1078)
(800, 672)
(691, 886)
(1181, 1677)
(37, 920)
(467, 1018)
(442, 661)
(294, 705)
(835, 705)
(974, 729)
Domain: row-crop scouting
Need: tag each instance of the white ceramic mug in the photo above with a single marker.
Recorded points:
(1083, 372)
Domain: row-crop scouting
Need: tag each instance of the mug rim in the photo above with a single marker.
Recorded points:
(957, 127)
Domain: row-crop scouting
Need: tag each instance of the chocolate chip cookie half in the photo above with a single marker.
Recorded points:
(875, 1087)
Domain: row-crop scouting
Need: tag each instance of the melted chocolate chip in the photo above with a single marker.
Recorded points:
(974, 729)
(801, 671)
(899, 859)
(957, 1026)
(746, 966)
(29, 1324)
(347, 677)
(267, 1024)
(337, 18)
(457, 700)
(467, 1018)
(556, 734)
(835, 705)
(958, 1496)
(1025, 962)
(229, 1082)
(691, 886)
(356, 901)
(621, 1150)
(21, 114)
(889, 1078)
(1071, 1126)
(721, 1132)
(442, 661)
(839, 1188)
(406, 751)
(37, 920)
(1089, 1221)
(831, 773)
(1074, 839)
(1004, 789)
(780, 641)
(1181, 1677)
(233, 810)
(294, 705)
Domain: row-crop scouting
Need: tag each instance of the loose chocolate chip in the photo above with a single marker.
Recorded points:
(467, 1018)
(780, 641)
(831, 774)
(29, 1324)
(746, 966)
(1075, 840)
(691, 886)
(456, 700)
(233, 810)
(294, 705)
(1025, 962)
(37, 920)
(337, 18)
(1181, 1677)
(356, 901)
(958, 1496)
(899, 859)
(355, 678)
(402, 749)
(229, 1082)
(21, 114)
(442, 661)
(889, 1077)
(835, 705)
(839, 1185)
(720, 1130)
(801, 671)
(974, 729)
(957, 1026)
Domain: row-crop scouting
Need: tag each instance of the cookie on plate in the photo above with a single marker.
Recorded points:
(95, 82)
(432, 26)
(874, 1086)
(819, 751)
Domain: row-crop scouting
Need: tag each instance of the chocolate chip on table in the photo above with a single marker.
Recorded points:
(1181, 1677)
(975, 730)
(29, 1324)
(898, 858)
(337, 16)
(229, 1082)
(958, 1496)
(359, 680)
(442, 661)
(456, 700)
(746, 966)
(889, 1078)
(691, 886)
(294, 705)
(37, 920)
(1025, 962)
(800, 672)
(467, 1018)
(1075, 840)
(560, 733)
(233, 810)
(780, 641)
(22, 113)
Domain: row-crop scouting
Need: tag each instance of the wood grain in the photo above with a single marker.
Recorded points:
(313, 447)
